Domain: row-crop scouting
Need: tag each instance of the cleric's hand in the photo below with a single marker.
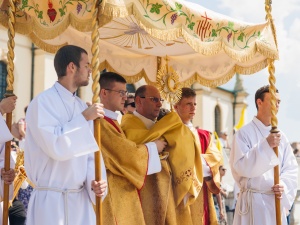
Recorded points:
(99, 187)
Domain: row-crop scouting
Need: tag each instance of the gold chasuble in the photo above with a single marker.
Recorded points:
(180, 181)
(203, 210)
(126, 165)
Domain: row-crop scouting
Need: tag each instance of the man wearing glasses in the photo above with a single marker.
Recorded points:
(252, 161)
(178, 184)
(127, 164)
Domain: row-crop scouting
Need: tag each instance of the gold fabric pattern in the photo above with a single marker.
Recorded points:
(182, 154)
(126, 165)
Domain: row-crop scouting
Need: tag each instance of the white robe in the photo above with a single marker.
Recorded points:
(4, 137)
(59, 155)
(252, 161)
(5, 134)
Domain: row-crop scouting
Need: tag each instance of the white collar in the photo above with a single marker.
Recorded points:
(190, 125)
(261, 126)
(63, 92)
(148, 123)
(110, 114)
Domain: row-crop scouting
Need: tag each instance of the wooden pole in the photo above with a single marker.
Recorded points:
(9, 92)
(272, 90)
(96, 99)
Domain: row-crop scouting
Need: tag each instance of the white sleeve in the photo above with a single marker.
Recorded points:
(59, 141)
(5, 133)
(154, 165)
(205, 168)
(260, 158)
(91, 176)
(288, 175)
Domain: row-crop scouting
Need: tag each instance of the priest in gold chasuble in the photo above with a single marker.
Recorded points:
(127, 164)
(180, 181)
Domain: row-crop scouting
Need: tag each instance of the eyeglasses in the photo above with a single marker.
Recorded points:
(154, 99)
(121, 92)
(132, 104)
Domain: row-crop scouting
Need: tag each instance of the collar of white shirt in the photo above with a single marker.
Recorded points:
(110, 114)
(148, 123)
(261, 126)
(64, 93)
(190, 126)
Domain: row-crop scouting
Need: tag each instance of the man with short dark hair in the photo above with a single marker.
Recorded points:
(127, 164)
(60, 146)
(252, 161)
(202, 211)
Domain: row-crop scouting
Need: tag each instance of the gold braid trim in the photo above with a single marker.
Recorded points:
(253, 69)
(195, 78)
(265, 50)
(51, 33)
(208, 82)
(43, 45)
(114, 11)
(130, 79)
(111, 11)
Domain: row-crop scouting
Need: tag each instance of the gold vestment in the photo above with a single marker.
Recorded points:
(181, 173)
(126, 166)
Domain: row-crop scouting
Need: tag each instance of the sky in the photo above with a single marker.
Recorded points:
(286, 15)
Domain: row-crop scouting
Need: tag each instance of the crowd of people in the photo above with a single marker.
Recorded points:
(157, 168)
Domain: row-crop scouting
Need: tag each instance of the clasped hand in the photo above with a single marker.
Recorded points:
(99, 187)
(8, 176)
(274, 139)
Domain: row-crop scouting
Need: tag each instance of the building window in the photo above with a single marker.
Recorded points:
(3, 75)
(130, 88)
(217, 119)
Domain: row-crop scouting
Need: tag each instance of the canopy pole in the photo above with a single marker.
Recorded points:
(9, 92)
(272, 90)
(96, 99)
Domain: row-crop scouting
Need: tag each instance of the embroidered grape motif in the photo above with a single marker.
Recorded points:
(78, 8)
(173, 18)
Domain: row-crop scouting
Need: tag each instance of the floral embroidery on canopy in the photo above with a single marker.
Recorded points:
(136, 35)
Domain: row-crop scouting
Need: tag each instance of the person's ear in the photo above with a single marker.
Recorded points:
(176, 106)
(137, 100)
(102, 92)
(71, 67)
(258, 102)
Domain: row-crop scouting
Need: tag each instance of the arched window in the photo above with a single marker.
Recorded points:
(217, 119)
(3, 75)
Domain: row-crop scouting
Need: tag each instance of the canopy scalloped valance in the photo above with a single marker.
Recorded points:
(202, 46)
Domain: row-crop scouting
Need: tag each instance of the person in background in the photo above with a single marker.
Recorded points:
(162, 113)
(129, 105)
(223, 136)
(223, 194)
(22, 130)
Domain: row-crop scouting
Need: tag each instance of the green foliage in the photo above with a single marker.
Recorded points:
(156, 8)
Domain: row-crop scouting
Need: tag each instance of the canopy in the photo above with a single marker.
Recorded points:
(136, 35)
